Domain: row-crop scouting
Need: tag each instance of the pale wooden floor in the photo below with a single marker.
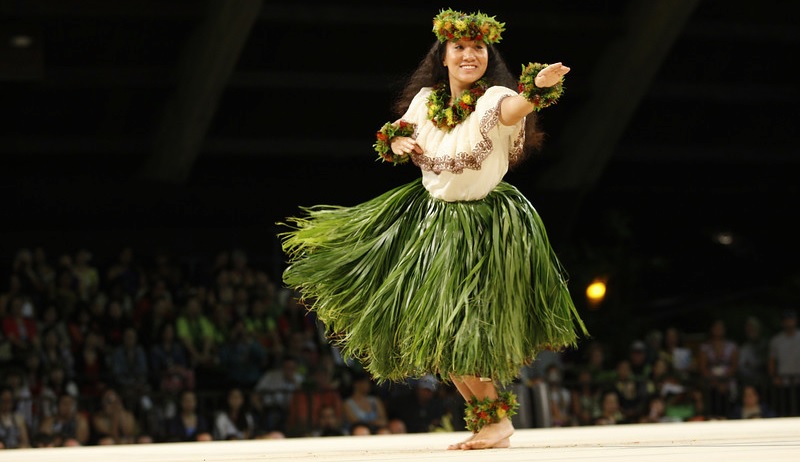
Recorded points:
(727, 441)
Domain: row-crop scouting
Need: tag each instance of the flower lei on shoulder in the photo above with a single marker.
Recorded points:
(384, 139)
(540, 97)
(447, 115)
(480, 413)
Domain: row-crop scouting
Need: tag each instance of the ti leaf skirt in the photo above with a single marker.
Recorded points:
(408, 284)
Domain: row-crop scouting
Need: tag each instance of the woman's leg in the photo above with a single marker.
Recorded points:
(492, 435)
(465, 393)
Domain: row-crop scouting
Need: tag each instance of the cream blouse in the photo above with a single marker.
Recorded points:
(467, 162)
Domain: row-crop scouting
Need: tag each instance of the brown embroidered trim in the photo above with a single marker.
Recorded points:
(479, 153)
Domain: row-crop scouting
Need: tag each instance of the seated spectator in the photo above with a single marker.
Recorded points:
(14, 429)
(361, 429)
(233, 421)
(362, 406)
(559, 397)
(86, 274)
(170, 370)
(112, 420)
(317, 391)
(129, 368)
(197, 333)
(610, 412)
(751, 406)
(242, 357)
(21, 330)
(68, 424)
(187, 424)
(265, 419)
(328, 423)
(420, 409)
(585, 399)
(56, 351)
(718, 364)
(657, 412)
(278, 384)
(56, 384)
(91, 367)
(396, 427)
(631, 392)
(753, 352)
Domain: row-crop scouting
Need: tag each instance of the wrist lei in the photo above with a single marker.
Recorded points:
(384, 140)
(480, 413)
(447, 115)
(540, 97)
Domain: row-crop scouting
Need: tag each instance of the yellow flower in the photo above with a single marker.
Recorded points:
(467, 98)
(448, 114)
(461, 25)
(501, 413)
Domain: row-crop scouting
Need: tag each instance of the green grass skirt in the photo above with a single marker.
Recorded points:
(408, 284)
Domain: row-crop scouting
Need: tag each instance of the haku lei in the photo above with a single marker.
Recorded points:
(451, 25)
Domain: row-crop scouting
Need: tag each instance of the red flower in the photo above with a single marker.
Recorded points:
(382, 137)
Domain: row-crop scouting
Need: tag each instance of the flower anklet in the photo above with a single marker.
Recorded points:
(480, 413)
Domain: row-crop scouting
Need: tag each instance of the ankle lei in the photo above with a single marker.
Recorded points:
(480, 413)
(447, 115)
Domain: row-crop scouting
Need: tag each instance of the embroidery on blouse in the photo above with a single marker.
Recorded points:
(480, 151)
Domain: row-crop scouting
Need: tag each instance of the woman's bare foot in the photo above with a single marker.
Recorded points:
(494, 435)
(461, 444)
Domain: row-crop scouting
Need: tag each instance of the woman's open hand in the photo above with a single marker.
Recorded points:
(403, 145)
(550, 75)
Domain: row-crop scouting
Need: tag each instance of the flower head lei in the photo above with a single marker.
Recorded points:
(451, 25)
(447, 115)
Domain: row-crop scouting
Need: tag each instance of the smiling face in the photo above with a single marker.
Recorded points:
(466, 62)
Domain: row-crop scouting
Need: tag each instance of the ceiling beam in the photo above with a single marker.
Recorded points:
(207, 63)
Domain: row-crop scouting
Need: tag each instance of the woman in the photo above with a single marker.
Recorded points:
(426, 277)
(188, 424)
(234, 421)
(362, 406)
(13, 428)
(113, 420)
(68, 424)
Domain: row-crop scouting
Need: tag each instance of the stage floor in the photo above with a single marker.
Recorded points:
(729, 441)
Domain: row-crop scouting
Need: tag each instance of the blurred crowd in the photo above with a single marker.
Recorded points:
(157, 348)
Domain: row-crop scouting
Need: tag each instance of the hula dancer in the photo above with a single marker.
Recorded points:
(451, 274)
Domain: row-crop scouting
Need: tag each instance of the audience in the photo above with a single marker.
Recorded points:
(225, 353)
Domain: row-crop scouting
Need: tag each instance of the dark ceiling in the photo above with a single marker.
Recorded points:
(677, 129)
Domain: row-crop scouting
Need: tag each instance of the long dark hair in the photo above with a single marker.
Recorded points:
(430, 72)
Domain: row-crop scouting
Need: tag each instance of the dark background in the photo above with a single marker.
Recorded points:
(195, 126)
